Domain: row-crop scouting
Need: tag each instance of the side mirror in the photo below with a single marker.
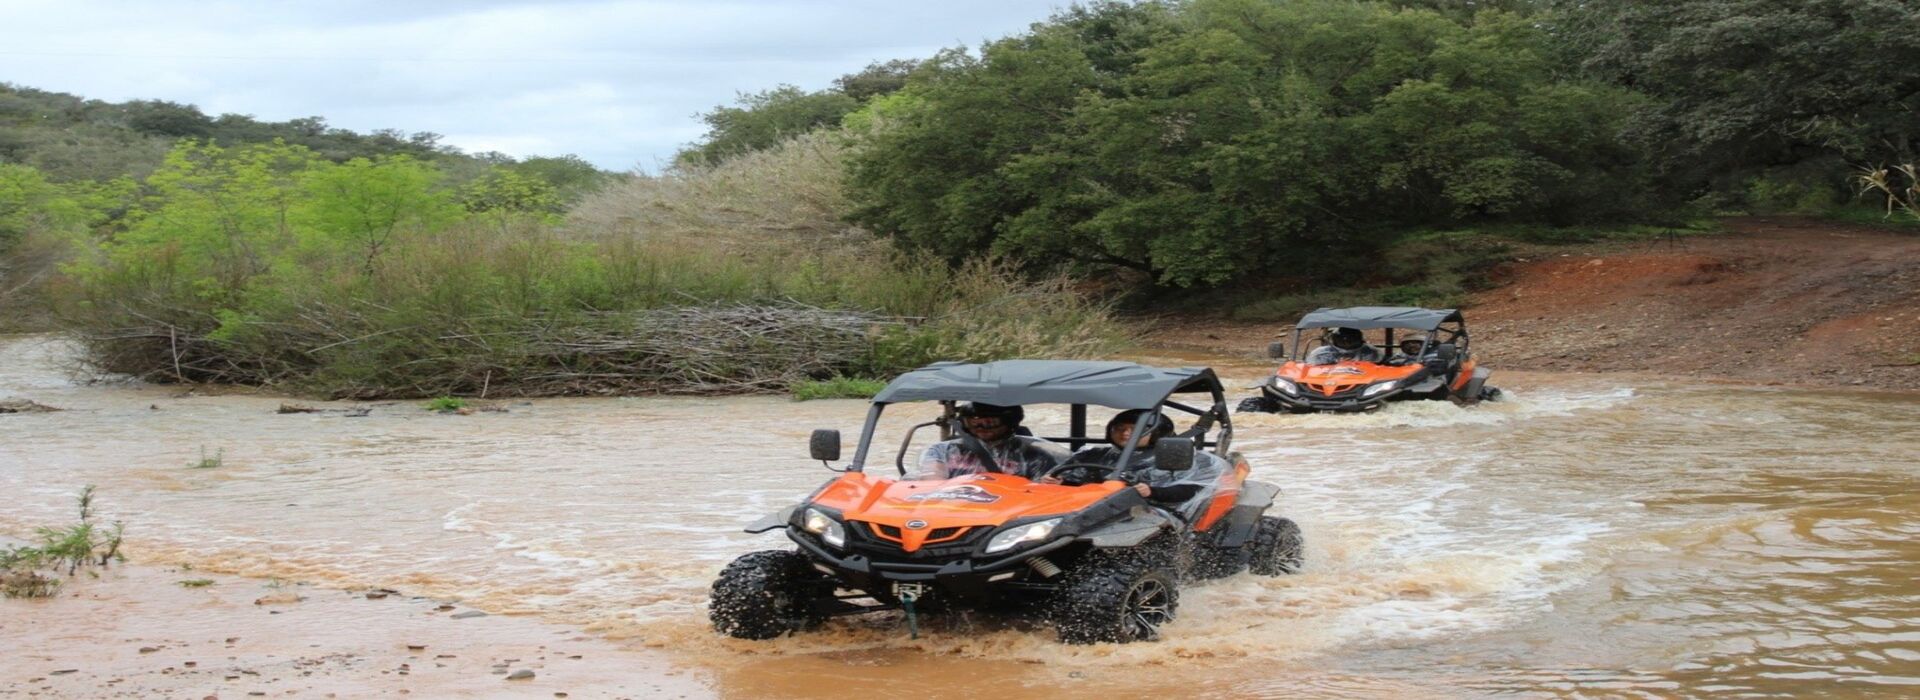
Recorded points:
(1446, 351)
(824, 445)
(1277, 350)
(1173, 454)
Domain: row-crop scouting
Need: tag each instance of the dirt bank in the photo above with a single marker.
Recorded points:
(1769, 301)
(136, 632)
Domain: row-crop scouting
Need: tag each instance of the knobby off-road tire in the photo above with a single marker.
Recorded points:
(1122, 596)
(765, 594)
(1277, 547)
(1257, 404)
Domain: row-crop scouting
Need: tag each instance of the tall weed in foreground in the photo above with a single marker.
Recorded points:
(1899, 185)
(32, 571)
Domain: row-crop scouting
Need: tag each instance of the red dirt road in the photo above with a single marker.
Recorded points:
(1770, 301)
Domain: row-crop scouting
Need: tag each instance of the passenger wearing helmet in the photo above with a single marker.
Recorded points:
(1158, 485)
(1413, 350)
(993, 428)
(1344, 345)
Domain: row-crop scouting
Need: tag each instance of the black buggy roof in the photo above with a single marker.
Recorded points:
(1119, 385)
(1365, 317)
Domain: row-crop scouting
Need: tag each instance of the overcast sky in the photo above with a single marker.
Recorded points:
(616, 82)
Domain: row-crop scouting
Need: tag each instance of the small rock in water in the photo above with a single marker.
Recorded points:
(148, 650)
(24, 406)
(520, 675)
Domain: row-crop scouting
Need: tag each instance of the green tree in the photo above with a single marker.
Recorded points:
(504, 194)
(365, 203)
(570, 176)
(214, 217)
(170, 119)
(29, 205)
(762, 119)
(1742, 85)
(1200, 142)
(877, 79)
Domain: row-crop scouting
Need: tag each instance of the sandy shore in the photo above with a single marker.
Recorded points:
(137, 632)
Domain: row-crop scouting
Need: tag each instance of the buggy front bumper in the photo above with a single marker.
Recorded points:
(964, 577)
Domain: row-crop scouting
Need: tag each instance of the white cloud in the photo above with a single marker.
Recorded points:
(617, 83)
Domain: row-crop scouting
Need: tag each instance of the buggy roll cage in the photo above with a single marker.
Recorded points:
(1437, 326)
(1040, 382)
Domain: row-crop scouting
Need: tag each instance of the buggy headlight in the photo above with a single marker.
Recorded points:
(1381, 388)
(1286, 386)
(829, 530)
(1014, 537)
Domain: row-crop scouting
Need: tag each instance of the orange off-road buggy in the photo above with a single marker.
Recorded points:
(1091, 556)
(1432, 360)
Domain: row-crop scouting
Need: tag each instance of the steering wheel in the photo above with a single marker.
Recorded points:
(1088, 467)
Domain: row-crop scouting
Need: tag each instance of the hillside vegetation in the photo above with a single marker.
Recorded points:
(1250, 157)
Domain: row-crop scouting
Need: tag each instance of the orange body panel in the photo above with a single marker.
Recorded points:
(1225, 497)
(1341, 376)
(952, 507)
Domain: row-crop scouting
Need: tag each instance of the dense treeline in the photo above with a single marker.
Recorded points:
(1211, 142)
(1774, 102)
(74, 170)
(68, 138)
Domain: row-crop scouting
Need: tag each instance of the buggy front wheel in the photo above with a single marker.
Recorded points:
(766, 594)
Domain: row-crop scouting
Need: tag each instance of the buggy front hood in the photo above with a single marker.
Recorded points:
(1328, 380)
(922, 512)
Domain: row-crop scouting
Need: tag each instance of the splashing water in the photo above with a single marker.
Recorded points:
(1661, 537)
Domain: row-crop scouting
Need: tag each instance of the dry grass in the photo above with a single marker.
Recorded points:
(784, 196)
(1899, 185)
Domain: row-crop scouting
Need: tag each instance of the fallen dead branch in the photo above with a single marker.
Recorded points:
(678, 350)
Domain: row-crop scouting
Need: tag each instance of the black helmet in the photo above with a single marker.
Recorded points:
(1158, 426)
(1011, 415)
(1348, 338)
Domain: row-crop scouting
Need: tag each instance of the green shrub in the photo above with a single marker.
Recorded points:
(838, 388)
(248, 267)
(206, 461)
(446, 404)
(29, 571)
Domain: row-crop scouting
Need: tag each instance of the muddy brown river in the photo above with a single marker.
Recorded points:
(1594, 535)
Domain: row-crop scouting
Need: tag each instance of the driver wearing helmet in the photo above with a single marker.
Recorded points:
(994, 427)
(1344, 345)
(1159, 485)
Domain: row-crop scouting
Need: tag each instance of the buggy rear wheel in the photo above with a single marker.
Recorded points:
(1278, 547)
(765, 594)
(1120, 597)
